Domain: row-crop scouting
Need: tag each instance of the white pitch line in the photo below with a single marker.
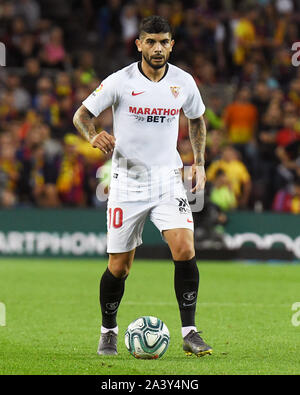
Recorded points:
(228, 304)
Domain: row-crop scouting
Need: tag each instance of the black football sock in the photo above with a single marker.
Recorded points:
(111, 292)
(186, 282)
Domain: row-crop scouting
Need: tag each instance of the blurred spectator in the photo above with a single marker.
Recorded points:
(272, 28)
(289, 166)
(288, 200)
(63, 85)
(32, 73)
(146, 7)
(294, 92)
(129, 22)
(264, 182)
(24, 46)
(220, 38)
(21, 97)
(48, 108)
(13, 39)
(85, 71)
(71, 175)
(109, 26)
(30, 11)
(45, 85)
(176, 18)
(214, 146)
(42, 177)
(8, 110)
(289, 132)
(221, 192)
(207, 75)
(245, 36)
(281, 67)
(9, 172)
(213, 113)
(240, 123)
(236, 172)
(53, 54)
(261, 99)
(164, 9)
(240, 118)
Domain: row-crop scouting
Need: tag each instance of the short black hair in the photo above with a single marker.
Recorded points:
(154, 24)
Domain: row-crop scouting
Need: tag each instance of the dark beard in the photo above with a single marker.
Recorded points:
(154, 66)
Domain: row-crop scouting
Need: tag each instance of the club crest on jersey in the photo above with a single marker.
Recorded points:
(175, 90)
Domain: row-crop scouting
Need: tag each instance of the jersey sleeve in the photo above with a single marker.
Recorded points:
(193, 106)
(103, 97)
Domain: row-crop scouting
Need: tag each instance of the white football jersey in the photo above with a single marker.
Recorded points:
(146, 117)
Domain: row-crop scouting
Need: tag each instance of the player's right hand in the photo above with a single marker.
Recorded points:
(104, 141)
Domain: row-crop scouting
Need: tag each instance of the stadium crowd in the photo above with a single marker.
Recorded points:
(239, 53)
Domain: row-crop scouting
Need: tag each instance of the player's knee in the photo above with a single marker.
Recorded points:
(184, 251)
(118, 268)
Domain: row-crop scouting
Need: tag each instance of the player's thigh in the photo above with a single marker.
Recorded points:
(125, 223)
(173, 217)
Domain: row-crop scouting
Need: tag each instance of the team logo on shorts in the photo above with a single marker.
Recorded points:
(175, 90)
(183, 206)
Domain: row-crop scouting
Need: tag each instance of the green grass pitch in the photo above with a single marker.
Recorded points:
(53, 318)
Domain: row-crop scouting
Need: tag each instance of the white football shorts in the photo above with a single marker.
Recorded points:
(165, 203)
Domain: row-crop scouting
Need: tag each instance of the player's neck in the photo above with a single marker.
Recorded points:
(154, 75)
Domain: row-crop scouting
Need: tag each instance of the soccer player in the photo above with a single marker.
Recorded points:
(146, 98)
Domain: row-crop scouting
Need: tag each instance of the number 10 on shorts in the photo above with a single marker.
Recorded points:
(115, 217)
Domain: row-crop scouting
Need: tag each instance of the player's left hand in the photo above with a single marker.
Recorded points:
(197, 172)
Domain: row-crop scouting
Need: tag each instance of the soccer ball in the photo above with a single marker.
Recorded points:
(147, 338)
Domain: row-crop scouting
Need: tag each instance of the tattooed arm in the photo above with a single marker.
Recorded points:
(197, 132)
(83, 121)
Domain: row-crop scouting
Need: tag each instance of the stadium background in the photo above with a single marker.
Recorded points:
(239, 53)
